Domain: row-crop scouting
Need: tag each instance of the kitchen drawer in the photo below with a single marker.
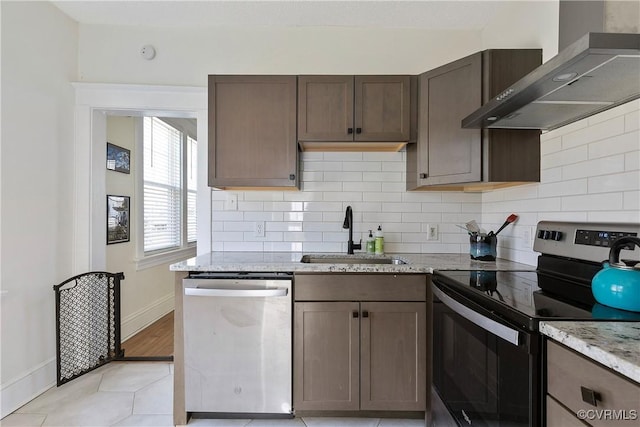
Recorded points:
(568, 372)
(360, 287)
(557, 416)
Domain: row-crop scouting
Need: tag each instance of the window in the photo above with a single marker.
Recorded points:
(169, 183)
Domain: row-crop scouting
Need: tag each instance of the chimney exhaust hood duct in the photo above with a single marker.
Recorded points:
(597, 72)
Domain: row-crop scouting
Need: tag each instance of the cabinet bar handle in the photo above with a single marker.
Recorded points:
(358, 130)
(423, 176)
(589, 396)
(355, 314)
(350, 130)
(365, 313)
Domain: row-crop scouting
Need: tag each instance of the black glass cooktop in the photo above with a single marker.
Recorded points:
(519, 296)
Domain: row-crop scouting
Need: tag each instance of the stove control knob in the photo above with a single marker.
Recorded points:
(546, 234)
(541, 234)
(556, 235)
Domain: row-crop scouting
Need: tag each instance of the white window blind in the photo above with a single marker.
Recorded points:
(192, 185)
(162, 186)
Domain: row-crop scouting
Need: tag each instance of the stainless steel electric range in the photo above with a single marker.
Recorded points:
(488, 356)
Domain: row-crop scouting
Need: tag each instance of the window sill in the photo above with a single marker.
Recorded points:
(165, 258)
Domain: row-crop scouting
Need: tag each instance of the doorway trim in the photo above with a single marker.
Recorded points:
(93, 102)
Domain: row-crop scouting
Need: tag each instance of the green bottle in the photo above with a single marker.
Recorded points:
(371, 243)
(379, 241)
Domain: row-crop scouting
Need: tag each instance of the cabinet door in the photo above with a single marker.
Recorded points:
(450, 154)
(252, 131)
(325, 108)
(326, 356)
(393, 356)
(557, 416)
(382, 105)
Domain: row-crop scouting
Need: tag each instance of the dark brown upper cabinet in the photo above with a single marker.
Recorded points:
(447, 157)
(252, 132)
(338, 111)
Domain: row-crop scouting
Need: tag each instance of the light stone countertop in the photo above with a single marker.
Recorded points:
(290, 262)
(613, 344)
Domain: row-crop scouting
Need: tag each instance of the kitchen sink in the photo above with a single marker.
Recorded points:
(350, 259)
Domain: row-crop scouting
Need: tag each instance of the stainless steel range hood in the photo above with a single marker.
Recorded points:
(597, 72)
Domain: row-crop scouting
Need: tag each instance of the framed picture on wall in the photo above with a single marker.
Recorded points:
(117, 219)
(118, 158)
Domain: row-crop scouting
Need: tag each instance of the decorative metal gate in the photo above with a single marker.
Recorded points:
(87, 323)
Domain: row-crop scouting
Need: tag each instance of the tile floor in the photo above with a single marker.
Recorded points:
(136, 394)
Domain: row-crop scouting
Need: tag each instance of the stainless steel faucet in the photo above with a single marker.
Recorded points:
(348, 223)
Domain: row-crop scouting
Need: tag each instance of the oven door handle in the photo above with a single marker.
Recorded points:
(508, 334)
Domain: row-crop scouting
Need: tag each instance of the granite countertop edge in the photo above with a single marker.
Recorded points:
(612, 344)
(290, 262)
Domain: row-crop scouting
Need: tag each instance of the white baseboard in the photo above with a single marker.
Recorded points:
(20, 391)
(142, 318)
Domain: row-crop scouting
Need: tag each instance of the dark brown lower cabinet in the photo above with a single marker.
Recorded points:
(360, 356)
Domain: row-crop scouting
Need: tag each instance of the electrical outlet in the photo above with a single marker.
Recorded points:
(432, 232)
(231, 204)
(527, 236)
(259, 229)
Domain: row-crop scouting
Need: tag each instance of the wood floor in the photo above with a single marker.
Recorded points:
(156, 340)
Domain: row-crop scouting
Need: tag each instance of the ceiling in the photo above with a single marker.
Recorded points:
(425, 14)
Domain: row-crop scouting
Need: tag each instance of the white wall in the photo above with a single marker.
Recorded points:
(39, 51)
(146, 294)
(532, 24)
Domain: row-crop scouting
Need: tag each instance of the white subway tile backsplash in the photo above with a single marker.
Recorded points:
(382, 176)
(549, 175)
(302, 216)
(342, 196)
(602, 166)
(402, 207)
(308, 176)
(370, 156)
(564, 157)
(632, 121)
(596, 132)
(629, 142)
(263, 216)
(323, 247)
(631, 201)
(321, 186)
(362, 166)
(615, 182)
(302, 236)
(563, 188)
(552, 145)
(321, 166)
(394, 186)
(614, 216)
(283, 226)
(590, 171)
(362, 186)
(322, 206)
(342, 176)
(593, 202)
(632, 161)
(342, 156)
(381, 197)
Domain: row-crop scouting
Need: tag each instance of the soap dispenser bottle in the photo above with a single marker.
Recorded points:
(371, 243)
(379, 243)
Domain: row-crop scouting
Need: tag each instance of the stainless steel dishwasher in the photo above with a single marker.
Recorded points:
(237, 343)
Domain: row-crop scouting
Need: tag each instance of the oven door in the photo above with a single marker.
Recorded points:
(484, 371)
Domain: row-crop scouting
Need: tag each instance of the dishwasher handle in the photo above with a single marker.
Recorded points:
(242, 293)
